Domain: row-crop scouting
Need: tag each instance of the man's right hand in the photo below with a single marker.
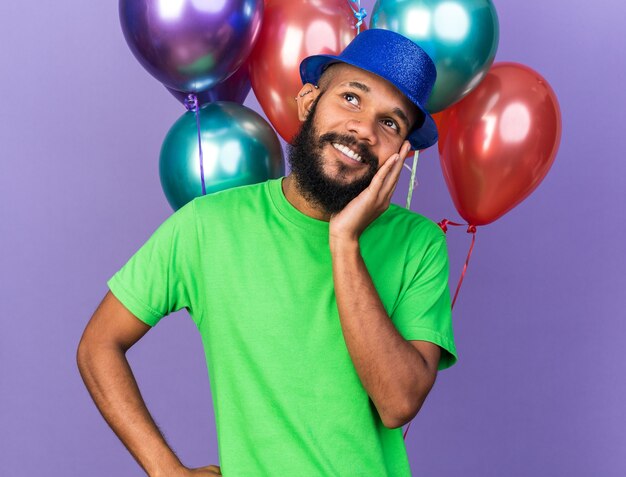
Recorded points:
(208, 471)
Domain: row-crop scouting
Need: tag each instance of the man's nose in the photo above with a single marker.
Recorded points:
(363, 129)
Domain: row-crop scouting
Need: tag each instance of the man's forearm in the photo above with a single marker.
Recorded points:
(393, 372)
(110, 381)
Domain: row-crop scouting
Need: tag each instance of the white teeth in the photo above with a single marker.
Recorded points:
(348, 152)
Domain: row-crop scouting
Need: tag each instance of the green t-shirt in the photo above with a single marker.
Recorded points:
(255, 275)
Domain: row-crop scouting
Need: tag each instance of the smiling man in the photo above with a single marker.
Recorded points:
(323, 308)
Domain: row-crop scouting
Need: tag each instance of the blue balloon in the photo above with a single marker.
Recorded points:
(461, 36)
(238, 147)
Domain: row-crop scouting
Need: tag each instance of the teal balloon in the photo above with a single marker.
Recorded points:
(238, 147)
(461, 36)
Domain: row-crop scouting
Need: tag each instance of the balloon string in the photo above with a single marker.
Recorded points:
(408, 206)
(191, 103)
(360, 14)
(471, 229)
(412, 183)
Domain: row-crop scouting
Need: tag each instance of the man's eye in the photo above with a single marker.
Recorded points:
(351, 98)
(391, 123)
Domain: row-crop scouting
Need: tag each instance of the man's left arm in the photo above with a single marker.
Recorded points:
(397, 374)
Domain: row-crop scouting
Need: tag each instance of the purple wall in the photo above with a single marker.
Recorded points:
(539, 389)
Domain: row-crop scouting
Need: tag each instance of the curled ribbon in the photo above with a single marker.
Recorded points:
(191, 103)
(360, 14)
(471, 229)
(413, 182)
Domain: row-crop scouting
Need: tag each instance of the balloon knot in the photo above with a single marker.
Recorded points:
(359, 14)
(444, 225)
(191, 102)
(471, 229)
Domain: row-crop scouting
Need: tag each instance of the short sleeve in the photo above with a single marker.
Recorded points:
(423, 311)
(160, 277)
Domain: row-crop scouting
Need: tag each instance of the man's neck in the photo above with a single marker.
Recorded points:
(295, 198)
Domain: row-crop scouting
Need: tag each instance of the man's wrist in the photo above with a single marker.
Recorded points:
(341, 245)
(170, 468)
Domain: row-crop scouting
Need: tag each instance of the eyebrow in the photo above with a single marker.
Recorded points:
(402, 116)
(361, 86)
(397, 111)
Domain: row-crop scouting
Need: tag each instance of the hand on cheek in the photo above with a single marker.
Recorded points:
(372, 202)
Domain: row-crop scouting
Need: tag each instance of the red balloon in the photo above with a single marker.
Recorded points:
(497, 144)
(292, 30)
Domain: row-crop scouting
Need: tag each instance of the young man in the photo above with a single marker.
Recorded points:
(324, 309)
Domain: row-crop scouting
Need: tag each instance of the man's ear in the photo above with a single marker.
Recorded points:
(305, 99)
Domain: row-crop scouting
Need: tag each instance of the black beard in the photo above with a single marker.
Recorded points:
(305, 159)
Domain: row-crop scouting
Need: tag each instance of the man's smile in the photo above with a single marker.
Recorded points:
(348, 152)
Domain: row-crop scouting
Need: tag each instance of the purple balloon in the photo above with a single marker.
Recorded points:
(235, 88)
(191, 45)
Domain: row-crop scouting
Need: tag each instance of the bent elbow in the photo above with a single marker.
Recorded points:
(391, 423)
(399, 418)
(82, 354)
(406, 413)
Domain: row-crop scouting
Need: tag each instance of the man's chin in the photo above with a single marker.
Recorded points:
(341, 177)
(341, 174)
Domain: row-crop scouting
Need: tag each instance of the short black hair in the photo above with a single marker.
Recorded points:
(328, 73)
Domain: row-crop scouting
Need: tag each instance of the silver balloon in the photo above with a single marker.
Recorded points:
(238, 147)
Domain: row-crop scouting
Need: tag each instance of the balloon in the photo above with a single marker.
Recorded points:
(191, 45)
(238, 146)
(291, 31)
(497, 144)
(235, 88)
(460, 36)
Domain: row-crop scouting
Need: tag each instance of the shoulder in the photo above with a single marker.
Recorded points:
(400, 235)
(237, 198)
(407, 224)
